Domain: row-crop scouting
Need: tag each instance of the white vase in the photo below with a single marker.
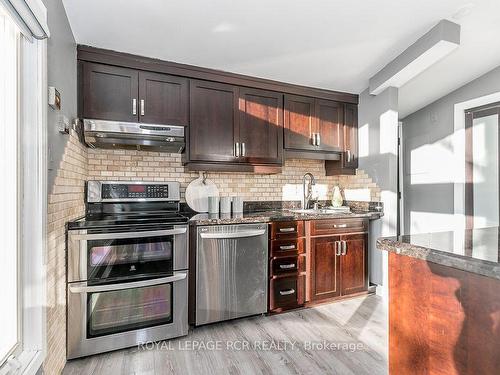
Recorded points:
(337, 199)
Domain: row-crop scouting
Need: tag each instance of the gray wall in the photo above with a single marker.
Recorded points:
(428, 157)
(61, 61)
(378, 126)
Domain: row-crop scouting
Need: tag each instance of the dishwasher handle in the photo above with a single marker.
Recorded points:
(242, 234)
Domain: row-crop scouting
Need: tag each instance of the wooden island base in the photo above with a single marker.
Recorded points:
(442, 320)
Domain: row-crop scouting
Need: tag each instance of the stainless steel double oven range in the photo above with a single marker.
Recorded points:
(127, 267)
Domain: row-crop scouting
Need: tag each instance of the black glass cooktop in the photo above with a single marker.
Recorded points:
(125, 220)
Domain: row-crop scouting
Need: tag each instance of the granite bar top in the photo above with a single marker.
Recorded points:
(471, 250)
(276, 215)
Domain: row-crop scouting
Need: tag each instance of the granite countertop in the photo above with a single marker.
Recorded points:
(277, 215)
(471, 250)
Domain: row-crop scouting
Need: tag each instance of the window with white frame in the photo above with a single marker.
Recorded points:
(23, 187)
(9, 228)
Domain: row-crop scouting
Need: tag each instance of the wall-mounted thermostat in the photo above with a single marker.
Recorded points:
(54, 98)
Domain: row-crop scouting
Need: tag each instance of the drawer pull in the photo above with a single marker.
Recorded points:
(287, 292)
(287, 247)
(287, 266)
(287, 230)
(340, 225)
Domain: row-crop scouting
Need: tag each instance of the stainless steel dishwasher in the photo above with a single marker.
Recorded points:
(231, 271)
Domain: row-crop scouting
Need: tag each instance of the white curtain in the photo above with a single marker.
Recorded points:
(9, 336)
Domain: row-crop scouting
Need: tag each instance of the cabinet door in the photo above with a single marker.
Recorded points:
(163, 99)
(213, 128)
(329, 116)
(325, 268)
(261, 126)
(109, 93)
(350, 156)
(300, 122)
(354, 264)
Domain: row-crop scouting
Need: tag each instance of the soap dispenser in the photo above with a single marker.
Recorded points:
(337, 199)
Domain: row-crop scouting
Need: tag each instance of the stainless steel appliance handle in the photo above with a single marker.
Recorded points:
(237, 149)
(287, 247)
(287, 292)
(142, 107)
(83, 288)
(134, 106)
(340, 225)
(287, 230)
(247, 233)
(158, 128)
(116, 236)
(287, 266)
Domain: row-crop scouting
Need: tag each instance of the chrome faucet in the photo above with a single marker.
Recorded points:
(308, 193)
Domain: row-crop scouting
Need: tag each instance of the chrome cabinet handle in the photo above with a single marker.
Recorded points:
(337, 247)
(237, 149)
(287, 247)
(340, 225)
(142, 107)
(243, 151)
(134, 106)
(344, 247)
(287, 292)
(287, 230)
(287, 266)
(348, 156)
(318, 139)
(315, 139)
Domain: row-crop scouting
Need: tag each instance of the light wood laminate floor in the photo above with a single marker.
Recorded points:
(358, 321)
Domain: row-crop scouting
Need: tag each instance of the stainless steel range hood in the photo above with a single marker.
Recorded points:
(131, 135)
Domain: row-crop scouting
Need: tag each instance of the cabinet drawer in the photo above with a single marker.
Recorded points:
(289, 247)
(287, 292)
(287, 229)
(338, 226)
(287, 265)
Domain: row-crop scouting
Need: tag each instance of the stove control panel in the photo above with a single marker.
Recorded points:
(122, 191)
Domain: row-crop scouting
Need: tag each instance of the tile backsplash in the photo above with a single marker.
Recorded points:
(143, 165)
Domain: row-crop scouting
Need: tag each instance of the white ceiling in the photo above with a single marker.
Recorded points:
(335, 44)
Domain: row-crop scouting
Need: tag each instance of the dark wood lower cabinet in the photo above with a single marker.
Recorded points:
(354, 264)
(328, 258)
(325, 268)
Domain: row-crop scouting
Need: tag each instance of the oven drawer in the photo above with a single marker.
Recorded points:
(338, 226)
(287, 265)
(287, 229)
(287, 293)
(114, 316)
(289, 247)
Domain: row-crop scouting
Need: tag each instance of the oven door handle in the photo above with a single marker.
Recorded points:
(119, 235)
(83, 288)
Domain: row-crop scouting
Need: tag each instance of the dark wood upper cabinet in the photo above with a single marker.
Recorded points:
(163, 99)
(300, 123)
(348, 162)
(213, 128)
(109, 93)
(325, 268)
(329, 117)
(260, 126)
(350, 156)
(354, 264)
